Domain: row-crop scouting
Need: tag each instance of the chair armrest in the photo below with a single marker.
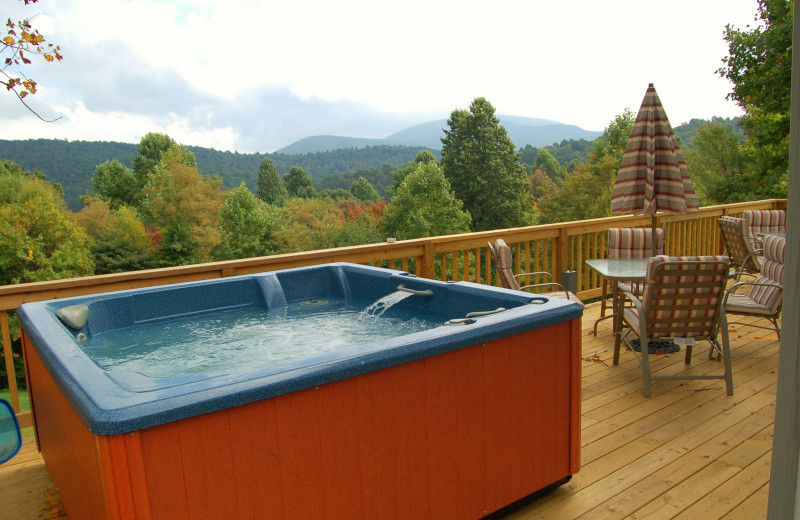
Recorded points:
(536, 273)
(626, 295)
(735, 286)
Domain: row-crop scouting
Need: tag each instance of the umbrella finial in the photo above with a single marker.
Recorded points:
(650, 86)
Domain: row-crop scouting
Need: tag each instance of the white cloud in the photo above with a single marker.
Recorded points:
(130, 63)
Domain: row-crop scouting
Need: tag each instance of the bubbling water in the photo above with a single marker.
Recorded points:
(250, 338)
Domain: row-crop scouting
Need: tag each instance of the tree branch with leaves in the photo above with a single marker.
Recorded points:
(21, 42)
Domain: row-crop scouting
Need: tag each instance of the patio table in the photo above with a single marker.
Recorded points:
(626, 270)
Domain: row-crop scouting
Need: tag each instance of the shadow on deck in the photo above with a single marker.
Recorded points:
(689, 451)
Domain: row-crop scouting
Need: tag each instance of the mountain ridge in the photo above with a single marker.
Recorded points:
(522, 131)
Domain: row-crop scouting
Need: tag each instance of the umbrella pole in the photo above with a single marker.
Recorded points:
(653, 238)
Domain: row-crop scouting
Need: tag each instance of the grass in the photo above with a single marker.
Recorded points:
(24, 404)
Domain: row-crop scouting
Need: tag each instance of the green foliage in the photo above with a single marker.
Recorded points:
(178, 193)
(152, 148)
(548, 164)
(363, 191)
(270, 188)
(299, 184)
(247, 226)
(120, 242)
(178, 246)
(714, 161)
(425, 205)
(760, 67)
(585, 193)
(483, 168)
(362, 224)
(115, 183)
(615, 137)
(72, 164)
(39, 239)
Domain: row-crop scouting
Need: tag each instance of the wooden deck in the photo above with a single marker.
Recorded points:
(689, 451)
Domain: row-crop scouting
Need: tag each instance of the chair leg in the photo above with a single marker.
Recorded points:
(645, 352)
(726, 355)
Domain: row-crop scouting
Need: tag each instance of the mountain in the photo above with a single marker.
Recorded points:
(521, 130)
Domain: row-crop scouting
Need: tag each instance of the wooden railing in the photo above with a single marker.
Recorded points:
(553, 248)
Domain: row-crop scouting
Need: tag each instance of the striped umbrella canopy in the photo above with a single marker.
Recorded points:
(653, 176)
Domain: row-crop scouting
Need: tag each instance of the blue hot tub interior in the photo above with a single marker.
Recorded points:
(115, 401)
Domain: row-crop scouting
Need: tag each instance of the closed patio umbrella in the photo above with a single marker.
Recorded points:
(653, 176)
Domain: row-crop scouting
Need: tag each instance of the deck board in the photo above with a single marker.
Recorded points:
(689, 451)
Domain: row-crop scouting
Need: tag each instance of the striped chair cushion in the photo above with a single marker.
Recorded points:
(772, 267)
(634, 242)
(760, 221)
(684, 304)
(733, 234)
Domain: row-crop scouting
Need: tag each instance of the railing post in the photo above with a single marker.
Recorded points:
(9, 358)
(562, 253)
(427, 261)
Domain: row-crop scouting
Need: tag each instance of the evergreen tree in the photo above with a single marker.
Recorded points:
(483, 167)
(270, 189)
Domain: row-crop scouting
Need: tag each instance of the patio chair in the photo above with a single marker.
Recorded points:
(10, 438)
(682, 300)
(628, 243)
(762, 221)
(765, 296)
(501, 254)
(743, 258)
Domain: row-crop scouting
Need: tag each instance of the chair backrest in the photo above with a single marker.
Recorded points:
(503, 262)
(762, 221)
(737, 246)
(771, 296)
(683, 295)
(634, 242)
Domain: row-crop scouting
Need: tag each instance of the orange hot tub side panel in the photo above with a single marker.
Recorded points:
(457, 435)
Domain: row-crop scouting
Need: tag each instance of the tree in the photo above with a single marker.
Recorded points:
(246, 226)
(548, 164)
(585, 193)
(21, 38)
(309, 224)
(119, 240)
(760, 67)
(152, 149)
(298, 183)
(115, 183)
(363, 191)
(270, 189)
(399, 175)
(714, 161)
(179, 245)
(177, 198)
(424, 206)
(38, 239)
(484, 170)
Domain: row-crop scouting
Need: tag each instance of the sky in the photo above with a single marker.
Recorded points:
(254, 76)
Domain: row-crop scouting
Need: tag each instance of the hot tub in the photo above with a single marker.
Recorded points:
(472, 409)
